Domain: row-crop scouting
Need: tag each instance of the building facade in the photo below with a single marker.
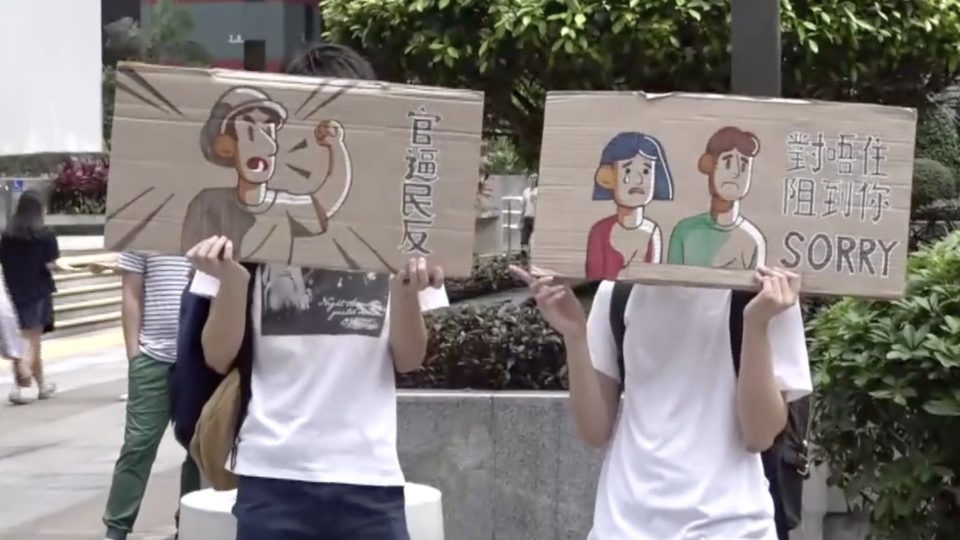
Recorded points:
(259, 35)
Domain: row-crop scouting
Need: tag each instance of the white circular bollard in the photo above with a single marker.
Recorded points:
(424, 512)
(206, 514)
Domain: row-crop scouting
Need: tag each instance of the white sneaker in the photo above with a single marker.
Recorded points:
(16, 396)
(47, 391)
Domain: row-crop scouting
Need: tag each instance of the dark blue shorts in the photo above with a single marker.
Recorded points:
(35, 314)
(269, 509)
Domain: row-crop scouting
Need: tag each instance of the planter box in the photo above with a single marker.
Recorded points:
(76, 224)
(510, 466)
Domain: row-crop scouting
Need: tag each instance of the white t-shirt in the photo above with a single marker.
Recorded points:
(676, 467)
(323, 404)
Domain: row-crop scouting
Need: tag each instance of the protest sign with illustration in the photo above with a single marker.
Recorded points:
(702, 189)
(344, 175)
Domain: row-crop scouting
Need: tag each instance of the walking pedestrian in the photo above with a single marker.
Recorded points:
(152, 288)
(28, 255)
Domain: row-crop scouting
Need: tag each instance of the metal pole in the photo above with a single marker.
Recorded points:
(755, 41)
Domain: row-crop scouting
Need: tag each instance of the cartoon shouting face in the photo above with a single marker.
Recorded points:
(242, 133)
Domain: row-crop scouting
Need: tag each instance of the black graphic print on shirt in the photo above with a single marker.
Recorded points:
(310, 302)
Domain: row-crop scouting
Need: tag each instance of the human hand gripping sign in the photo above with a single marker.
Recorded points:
(408, 282)
(555, 299)
(214, 257)
(779, 290)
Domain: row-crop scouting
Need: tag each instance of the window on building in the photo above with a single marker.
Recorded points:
(309, 22)
(255, 55)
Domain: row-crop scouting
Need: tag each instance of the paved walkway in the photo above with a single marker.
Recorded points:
(56, 456)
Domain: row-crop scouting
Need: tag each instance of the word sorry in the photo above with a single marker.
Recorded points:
(839, 253)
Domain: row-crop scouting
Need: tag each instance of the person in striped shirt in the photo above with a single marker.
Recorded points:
(152, 286)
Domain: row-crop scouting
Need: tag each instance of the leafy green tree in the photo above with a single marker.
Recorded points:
(897, 51)
(167, 40)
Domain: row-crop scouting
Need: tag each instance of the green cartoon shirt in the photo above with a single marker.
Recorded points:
(700, 241)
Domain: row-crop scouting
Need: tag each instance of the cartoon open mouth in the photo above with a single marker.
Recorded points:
(637, 191)
(729, 183)
(257, 164)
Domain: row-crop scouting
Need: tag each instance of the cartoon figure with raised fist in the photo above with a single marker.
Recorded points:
(262, 222)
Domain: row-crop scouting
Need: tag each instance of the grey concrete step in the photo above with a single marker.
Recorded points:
(86, 308)
(84, 278)
(86, 301)
(88, 323)
(87, 292)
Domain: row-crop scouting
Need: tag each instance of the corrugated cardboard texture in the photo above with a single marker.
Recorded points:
(699, 189)
(311, 172)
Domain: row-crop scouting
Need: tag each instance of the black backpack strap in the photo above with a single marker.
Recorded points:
(738, 301)
(618, 325)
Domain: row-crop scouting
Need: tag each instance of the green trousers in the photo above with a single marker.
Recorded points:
(148, 414)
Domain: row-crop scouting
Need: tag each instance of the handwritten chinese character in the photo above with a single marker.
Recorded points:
(819, 147)
(833, 198)
(879, 200)
(797, 142)
(418, 199)
(423, 124)
(799, 197)
(875, 154)
(415, 237)
(845, 154)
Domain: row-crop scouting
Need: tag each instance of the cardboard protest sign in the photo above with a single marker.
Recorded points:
(701, 189)
(298, 170)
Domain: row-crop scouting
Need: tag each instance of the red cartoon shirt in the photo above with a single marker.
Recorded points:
(603, 260)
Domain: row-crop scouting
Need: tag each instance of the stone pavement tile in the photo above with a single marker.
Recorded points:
(59, 454)
(83, 521)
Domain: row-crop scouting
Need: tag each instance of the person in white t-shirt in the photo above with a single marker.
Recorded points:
(682, 458)
(316, 453)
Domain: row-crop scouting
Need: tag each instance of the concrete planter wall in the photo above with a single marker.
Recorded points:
(511, 467)
(76, 224)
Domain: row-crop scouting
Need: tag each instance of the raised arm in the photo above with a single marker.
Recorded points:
(594, 395)
(329, 135)
(409, 298)
(223, 332)
(761, 406)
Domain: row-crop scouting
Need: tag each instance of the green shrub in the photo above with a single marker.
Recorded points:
(897, 51)
(490, 347)
(932, 181)
(887, 410)
(938, 138)
(489, 276)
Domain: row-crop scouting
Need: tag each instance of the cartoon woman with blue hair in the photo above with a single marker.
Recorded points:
(633, 171)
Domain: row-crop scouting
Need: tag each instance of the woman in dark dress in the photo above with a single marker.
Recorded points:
(28, 254)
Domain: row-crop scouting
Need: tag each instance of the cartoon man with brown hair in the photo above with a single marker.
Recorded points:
(262, 222)
(722, 237)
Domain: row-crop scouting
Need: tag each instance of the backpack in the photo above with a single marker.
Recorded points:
(785, 463)
(214, 435)
(193, 383)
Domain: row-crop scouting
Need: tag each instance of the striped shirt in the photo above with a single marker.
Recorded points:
(164, 278)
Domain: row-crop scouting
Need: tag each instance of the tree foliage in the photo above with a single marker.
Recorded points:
(938, 137)
(887, 409)
(898, 51)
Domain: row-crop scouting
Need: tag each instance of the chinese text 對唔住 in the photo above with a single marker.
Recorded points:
(845, 176)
